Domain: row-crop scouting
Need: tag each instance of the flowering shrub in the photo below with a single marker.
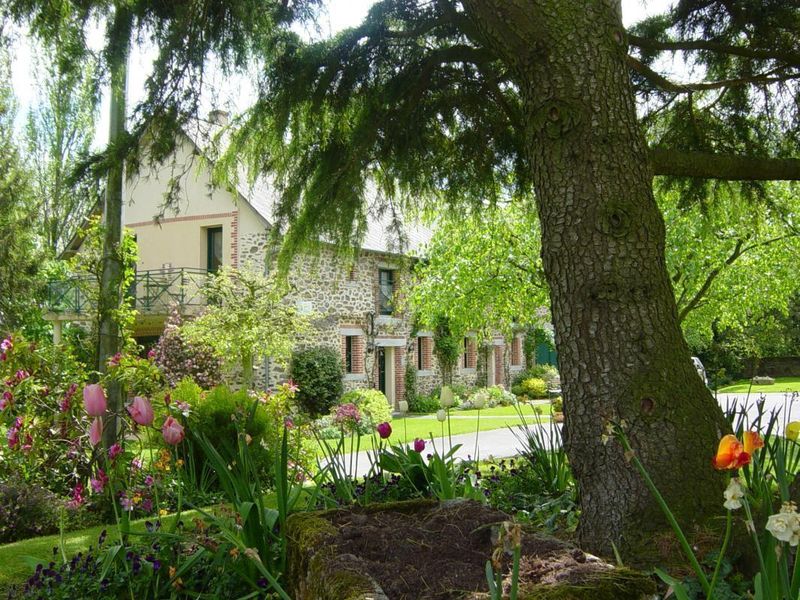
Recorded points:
(41, 409)
(179, 358)
(372, 405)
(489, 397)
(347, 417)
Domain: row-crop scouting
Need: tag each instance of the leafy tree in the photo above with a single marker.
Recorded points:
(472, 102)
(20, 255)
(247, 319)
(59, 134)
(483, 272)
(732, 263)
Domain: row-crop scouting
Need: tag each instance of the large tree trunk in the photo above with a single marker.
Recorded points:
(621, 352)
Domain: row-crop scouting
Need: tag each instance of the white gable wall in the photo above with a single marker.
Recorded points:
(179, 239)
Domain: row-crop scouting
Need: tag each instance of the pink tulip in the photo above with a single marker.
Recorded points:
(419, 445)
(172, 431)
(96, 431)
(141, 411)
(94, 400)
(384, 430)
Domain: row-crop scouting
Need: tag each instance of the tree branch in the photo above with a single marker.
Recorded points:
(712, 275)
(791, 58)
(707, 165)
(680, 88)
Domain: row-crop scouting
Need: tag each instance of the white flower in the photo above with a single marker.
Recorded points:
(446, 397)
(733, 495)
(478, 401)
(785, 526)
(441, 416)
(403, 406)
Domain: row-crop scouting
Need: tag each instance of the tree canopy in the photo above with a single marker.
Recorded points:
(415, 101)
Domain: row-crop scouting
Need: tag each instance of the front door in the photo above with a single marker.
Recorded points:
(382, 369)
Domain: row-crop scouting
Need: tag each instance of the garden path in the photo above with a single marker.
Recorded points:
(500, 443)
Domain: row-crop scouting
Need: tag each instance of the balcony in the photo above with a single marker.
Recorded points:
(153, 293)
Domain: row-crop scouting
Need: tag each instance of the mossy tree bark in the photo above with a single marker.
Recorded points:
(621, 351)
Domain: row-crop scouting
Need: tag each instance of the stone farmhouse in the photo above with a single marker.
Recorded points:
(352, 303)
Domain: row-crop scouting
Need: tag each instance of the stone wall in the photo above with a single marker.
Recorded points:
(342, 298)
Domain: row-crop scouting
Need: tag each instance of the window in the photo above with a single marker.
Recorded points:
(470, 356)
(214, 249)
(424, 351)
(420, 355)
(385, 291)
(348, 353)
(353, 354)
(516, 352)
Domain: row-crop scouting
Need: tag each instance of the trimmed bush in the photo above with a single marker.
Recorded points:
(548, 373)
(533, 387)
(318, 374)
(219, 414)
(423, 403)
(26, 510)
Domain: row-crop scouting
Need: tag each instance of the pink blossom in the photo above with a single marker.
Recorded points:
(136, 464)
(384, 430)
(126, 503)
(6, 345)
(77, 496)
(96, 431)
(115, 360)
(147, 505)
(141, 411)
(151, 354)
(347, 416)
(13, 433)
(419, 445)
(28, 445)
(172, 431)
(6, 399)
(292, 386)
(94, 400)
(21, 375)
(149, 480)
(64, 405)
(99, 483)
(114, 451)
(288, 423)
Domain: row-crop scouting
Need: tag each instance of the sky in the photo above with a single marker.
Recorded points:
(231, 94)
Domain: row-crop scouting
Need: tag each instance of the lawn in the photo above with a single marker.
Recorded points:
(781, 385)
(407, 429)
(19, 558)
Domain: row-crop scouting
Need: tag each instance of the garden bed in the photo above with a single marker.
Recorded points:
(425, 550)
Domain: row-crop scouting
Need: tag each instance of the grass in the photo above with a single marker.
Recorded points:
(781, 385)
(18, 559)
(407, 429)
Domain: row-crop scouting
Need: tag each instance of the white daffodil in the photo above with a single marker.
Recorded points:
(785, 526)
(733, 495)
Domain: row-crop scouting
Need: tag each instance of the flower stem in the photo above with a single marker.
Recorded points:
(725, 541)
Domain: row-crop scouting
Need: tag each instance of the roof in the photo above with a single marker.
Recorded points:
(387, 231)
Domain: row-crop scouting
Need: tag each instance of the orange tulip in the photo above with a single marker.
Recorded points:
(752, 442)
(730, 454)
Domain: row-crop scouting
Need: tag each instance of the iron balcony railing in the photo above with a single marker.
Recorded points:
(152, 292)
